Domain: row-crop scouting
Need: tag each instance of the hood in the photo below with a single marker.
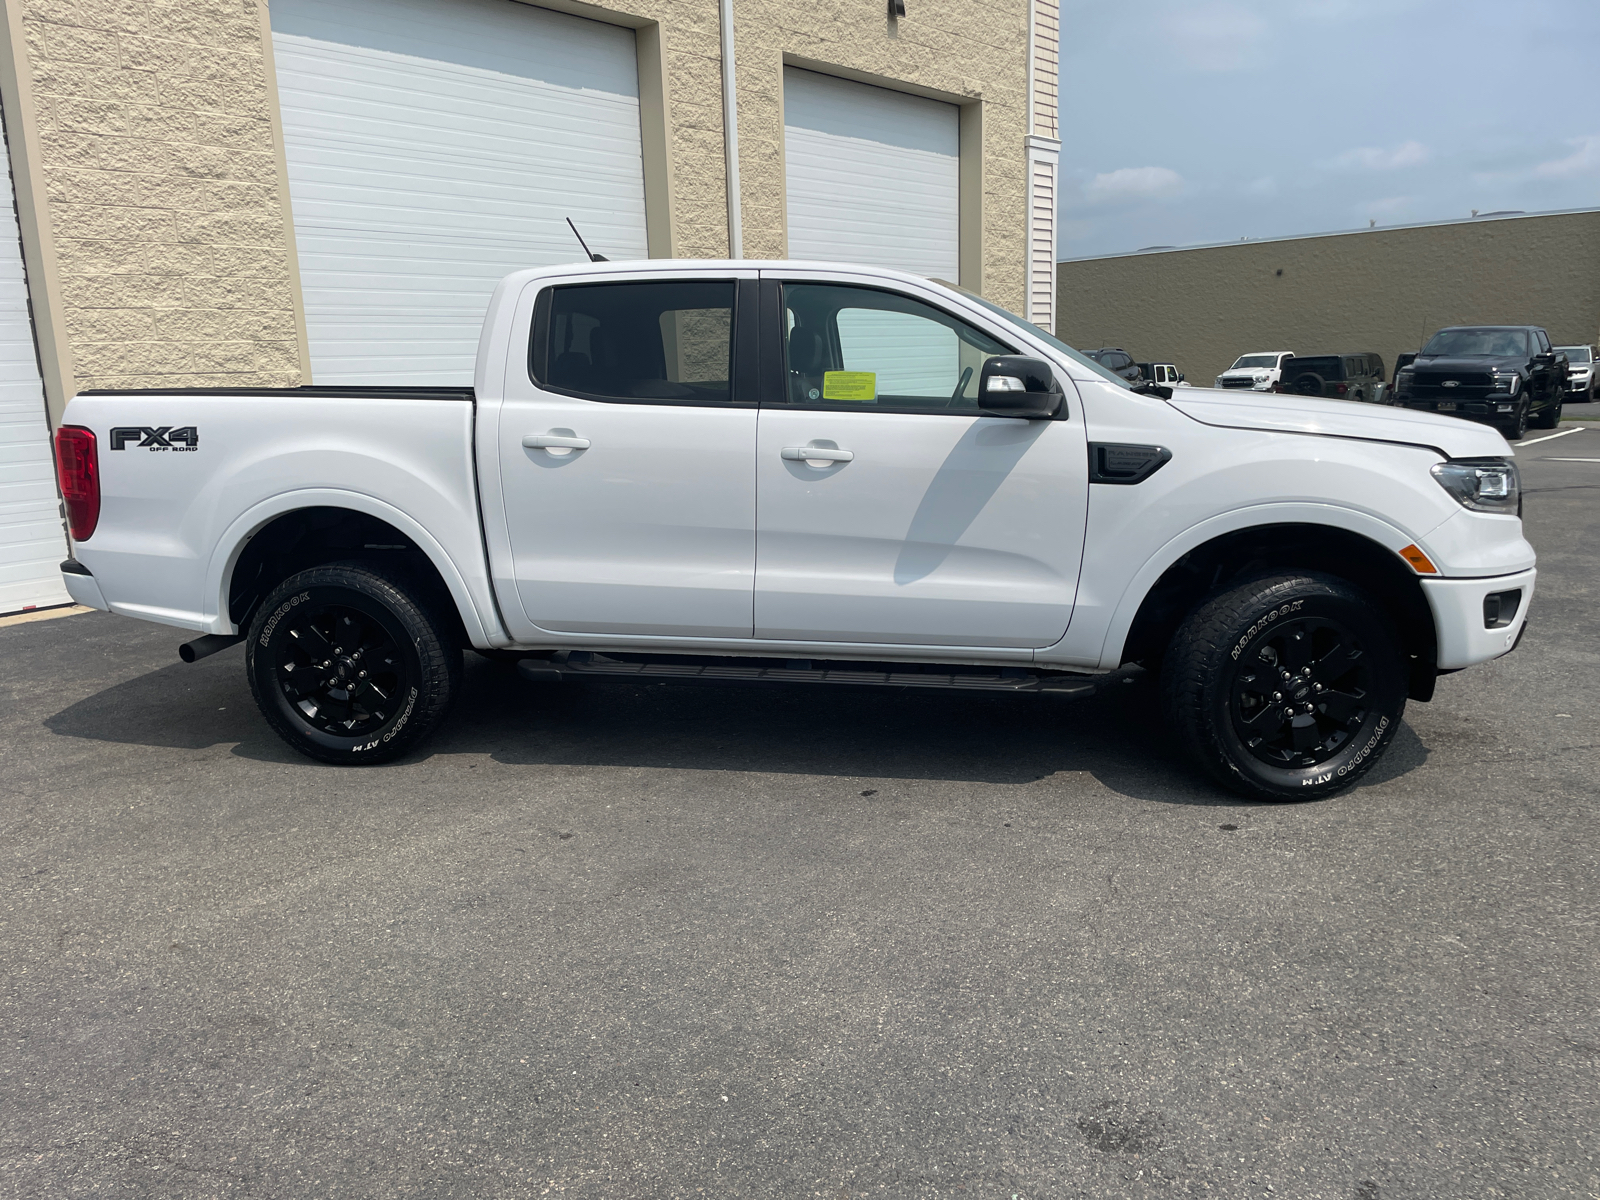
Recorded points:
(1472, 363)
(1275, 413)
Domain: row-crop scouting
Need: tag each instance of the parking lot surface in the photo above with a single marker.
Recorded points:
(617, 941)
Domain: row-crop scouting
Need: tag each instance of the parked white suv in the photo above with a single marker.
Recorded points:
(1580, 373)
(813, 473)
(1257, 372)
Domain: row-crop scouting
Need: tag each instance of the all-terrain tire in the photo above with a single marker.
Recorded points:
(351, 664)
(1287, 687)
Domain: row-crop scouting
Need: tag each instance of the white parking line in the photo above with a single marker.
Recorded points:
(1569, 460)
(1552, 436)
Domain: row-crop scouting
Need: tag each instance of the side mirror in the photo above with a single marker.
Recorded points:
(1013, 386)
(1146, 388)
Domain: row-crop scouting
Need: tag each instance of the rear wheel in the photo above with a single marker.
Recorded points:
(1288, 687)
(351, 666)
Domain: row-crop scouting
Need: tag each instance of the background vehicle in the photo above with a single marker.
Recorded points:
(1357, 377)
(1116, 360)
(810, 474)
(1258, 371)
(1580, 373)
(1165, 374)
(1401, 362)
(1508, 376)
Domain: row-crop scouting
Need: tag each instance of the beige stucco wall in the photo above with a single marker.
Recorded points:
(159, 190)
(957, 50)
(156, 222)
(1378, 290)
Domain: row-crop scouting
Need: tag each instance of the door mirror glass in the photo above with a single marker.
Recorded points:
(1011, 385)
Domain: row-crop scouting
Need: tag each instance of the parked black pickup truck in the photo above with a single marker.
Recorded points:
(1507, 376)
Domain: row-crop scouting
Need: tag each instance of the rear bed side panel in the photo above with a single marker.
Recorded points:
(173, 521)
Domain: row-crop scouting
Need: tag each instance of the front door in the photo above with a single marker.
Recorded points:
(625, 446)
(889, 510)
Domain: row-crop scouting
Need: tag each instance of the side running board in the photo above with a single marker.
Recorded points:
(575, 664)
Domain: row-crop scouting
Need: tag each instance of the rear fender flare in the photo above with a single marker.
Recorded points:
(481, 632)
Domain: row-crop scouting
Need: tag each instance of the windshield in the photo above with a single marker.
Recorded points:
(1577, 354)
(1255, 360)
(1464, 343)
(1030, 327)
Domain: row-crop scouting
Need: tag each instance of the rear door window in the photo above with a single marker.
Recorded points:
(654, 342)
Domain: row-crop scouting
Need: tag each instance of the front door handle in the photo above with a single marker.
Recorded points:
(816, 454)
(545, 441)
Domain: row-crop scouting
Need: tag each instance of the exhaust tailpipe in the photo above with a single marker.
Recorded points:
(201, 647)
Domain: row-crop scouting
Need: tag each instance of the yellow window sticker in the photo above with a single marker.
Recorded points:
(849, 385)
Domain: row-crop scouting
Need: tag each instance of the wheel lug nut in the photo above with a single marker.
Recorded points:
(1317, 686)
(362, 675)
(1277, 695)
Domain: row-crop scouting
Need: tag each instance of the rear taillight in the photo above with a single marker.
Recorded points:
(78, 470)
(1343, 388)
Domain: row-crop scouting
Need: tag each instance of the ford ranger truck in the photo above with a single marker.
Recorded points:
(800, 472)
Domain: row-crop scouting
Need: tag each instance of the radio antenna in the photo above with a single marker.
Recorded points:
(593, 257)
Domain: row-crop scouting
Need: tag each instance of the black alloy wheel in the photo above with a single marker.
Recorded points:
(1518, 424)
(1300, 694)
(343, 669)
(1286, 687)
(350, 665)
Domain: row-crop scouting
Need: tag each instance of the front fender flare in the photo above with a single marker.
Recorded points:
(1139, 586)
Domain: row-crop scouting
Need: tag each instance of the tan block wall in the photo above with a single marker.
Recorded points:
(161, 191)
(1381, 291)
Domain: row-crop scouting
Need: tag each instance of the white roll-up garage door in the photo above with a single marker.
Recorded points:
(32, 540)
(873, 176)
(433, 147)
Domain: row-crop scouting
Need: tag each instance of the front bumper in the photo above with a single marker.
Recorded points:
(1492, 409)
(1465, 635)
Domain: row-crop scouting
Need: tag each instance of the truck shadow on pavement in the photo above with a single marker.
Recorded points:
(1117, 735)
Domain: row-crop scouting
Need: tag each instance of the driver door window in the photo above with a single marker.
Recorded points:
(851, 347)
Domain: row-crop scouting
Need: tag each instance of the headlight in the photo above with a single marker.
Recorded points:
(1482, 484)
(1508, 381)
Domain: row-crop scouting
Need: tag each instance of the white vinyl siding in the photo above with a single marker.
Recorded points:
(433, 147)
(873, 175)
(32, 540)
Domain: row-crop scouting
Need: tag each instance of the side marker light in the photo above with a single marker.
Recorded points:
(1420, 563)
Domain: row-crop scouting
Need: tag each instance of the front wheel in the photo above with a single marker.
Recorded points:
(1288, 687)
(1518, 425)
(351, 666)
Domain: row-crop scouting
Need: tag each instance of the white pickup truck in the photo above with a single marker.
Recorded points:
(805, 472)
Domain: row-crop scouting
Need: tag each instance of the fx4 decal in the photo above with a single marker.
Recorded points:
(165, 437)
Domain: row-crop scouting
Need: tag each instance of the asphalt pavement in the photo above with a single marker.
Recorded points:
(608, 940)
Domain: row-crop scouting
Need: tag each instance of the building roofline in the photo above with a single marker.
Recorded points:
(1305, 237)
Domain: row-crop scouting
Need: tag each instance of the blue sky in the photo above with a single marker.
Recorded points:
(1189, 121)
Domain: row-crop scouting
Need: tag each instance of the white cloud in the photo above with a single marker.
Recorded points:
(1219, 36)
(1582, 161)
(1373, 158)
(1265, 188)
(1134, 183)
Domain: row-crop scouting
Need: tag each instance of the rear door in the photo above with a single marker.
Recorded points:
(889, 510)
(625, 444)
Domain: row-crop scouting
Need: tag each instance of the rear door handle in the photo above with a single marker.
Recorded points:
(544, 441)
(816, 454)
